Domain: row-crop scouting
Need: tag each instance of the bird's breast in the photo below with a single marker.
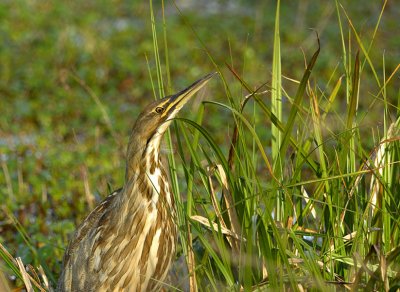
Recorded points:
(146, 234)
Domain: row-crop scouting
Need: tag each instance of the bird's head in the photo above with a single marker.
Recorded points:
(154, 121)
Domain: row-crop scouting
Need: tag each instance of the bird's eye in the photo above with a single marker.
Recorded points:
(159, 110)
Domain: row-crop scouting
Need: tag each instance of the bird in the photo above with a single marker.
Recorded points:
(128, 241)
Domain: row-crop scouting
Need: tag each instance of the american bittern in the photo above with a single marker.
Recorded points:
(128, 241)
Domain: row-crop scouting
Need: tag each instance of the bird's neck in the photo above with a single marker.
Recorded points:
(146, 177)
(142, 152)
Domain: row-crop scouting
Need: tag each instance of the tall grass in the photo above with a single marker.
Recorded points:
(299, 197)
(316, 211)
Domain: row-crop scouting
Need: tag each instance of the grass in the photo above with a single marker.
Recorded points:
(285, 171)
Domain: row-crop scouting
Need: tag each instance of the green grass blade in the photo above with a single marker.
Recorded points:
(297, 103)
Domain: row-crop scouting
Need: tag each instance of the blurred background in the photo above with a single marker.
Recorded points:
(75, 74)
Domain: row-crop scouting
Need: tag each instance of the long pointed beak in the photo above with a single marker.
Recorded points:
(178, 100)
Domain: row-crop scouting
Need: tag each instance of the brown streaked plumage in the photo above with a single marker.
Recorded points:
(128, 241)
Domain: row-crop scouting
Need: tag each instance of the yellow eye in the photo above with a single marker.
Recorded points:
(159, 110)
